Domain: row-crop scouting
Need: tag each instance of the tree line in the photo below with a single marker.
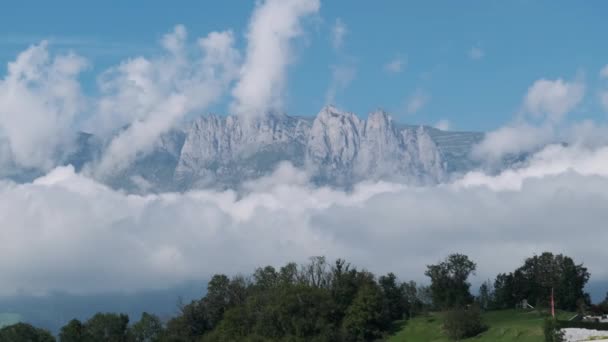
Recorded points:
(323, 301)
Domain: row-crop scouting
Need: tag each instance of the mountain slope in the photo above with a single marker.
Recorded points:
(336, 148)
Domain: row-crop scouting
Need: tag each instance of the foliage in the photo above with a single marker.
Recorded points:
(551, 331)
(190, 324)
(312, 302)
(25, 332)
(449, 286)
(485, 300)
(463, 323)
(108, 327)
(149, 328)
(319, 301)
(414, 300)
(364, 320)
(538, 276)
(394, 299)
(72, 332)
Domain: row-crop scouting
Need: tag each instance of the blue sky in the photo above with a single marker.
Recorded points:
(515, 42)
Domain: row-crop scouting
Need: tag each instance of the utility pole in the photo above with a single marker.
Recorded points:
(552, 304)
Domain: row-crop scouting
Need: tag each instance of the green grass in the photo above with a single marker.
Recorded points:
(504, 325)
(8, 319)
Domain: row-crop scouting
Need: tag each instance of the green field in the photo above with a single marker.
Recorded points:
(8, 319)
(505, 325)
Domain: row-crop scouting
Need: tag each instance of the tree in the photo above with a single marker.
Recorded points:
(266, 278)
(191, 323)
(217, 299)
(538, 276)
(149, 328)
(304, 312)
(316, 273)
(364, 320)
(413, 303)
(72, 332)
(393, 296)
(108, 327)
(25, 332)
(486, 295)
(504, 294)
(288, 274)
(449, 286)
(344, 286)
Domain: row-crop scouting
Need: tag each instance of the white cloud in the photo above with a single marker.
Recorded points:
(65, 225)
(341, 77)
(338, 32)
(39, 99)
(512, 139)
(152, 95)
(273, 26)
(476, 53)
(396, 65)
(417, 101)
(443, 125)
(604, 72)
(547, 100)
(553, 98)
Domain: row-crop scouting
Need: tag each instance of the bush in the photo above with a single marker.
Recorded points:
(463, 323)
(551, 330)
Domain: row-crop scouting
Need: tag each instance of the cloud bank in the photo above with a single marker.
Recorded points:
(67, 232)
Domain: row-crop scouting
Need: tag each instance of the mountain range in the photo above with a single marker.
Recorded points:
(337, 148)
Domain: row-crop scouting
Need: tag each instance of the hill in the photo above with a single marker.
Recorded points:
(504, 326)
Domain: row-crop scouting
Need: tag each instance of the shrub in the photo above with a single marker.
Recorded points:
(551, 330)
(463, 323)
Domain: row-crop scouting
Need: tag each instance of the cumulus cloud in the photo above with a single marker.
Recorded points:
(273, 26)
(443, 125)
(152, 95)
(546, 102)
(512, 139)
(67, 232)
(417, 101)
(338, 32)
(553, 98)
(476, 53)
(396, 65)
(40, 97)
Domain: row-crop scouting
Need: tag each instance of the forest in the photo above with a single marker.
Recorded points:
(336, 301)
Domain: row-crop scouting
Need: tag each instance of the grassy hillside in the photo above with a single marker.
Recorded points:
(505, 325)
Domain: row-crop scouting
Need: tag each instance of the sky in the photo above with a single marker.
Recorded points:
(466, 63)
(533, 75)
